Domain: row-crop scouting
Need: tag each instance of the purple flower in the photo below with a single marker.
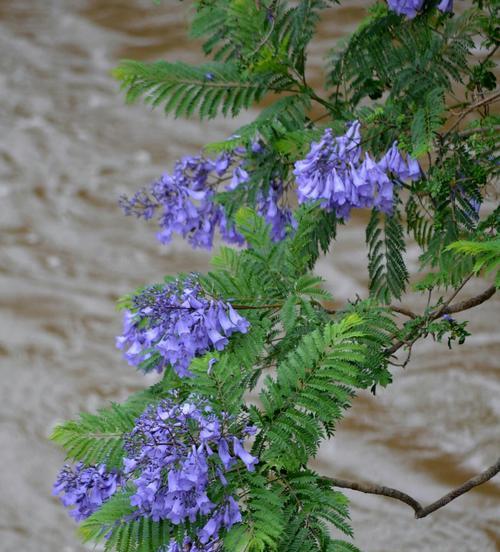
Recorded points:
(245, 456)
(222, 164)
(232, 513)
(257, 147)
(446, 6)
(447, 318)
(174, 323)
(228, 231)
(394, 163)
(183, 201)
(240, 175)
(189, 545)
(410, 8)
(85, 488)
(280, 218)
(210, 529)
(329, 173)
(179, 454)
(226, 458)
(334, 174)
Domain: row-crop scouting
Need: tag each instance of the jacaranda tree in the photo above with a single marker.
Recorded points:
(405, 133)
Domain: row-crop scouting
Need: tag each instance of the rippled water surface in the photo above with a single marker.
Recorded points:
(69, 147)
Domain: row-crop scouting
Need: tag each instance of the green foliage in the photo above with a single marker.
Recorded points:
(315, 230)
(281, 118)
(112, 525)
(486, 255)
(95, 438)
(451, 269)
(98, 438)
(204, 91)
(291, 512)
(408, 58)
(386, 266)
(314, 384)
(265, 520)
(234, 370)
(426, 121)
(399, 78)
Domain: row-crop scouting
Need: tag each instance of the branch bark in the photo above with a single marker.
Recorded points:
(448, 309)
(481, 130)
(490, 99)
(420, 511)
(472, 302)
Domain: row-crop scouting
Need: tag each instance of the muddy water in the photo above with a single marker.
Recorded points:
(69, 147)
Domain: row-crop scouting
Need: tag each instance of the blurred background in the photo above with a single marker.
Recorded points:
(69, 148)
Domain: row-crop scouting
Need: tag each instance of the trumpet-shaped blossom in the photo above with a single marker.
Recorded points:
(410, 8)
(280, 218)
(174, 457)
(446, 6)
(176, 461)
(85, 488)
(184, 201)
(172, 324)
(334, 173)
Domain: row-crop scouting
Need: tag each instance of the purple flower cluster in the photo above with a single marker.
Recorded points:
(85, 488)
(175, 456)
(177, 461)
(186, 203)
(189, 545)
(410, 8)
(334, 173)
(177, 322)
(279, 218)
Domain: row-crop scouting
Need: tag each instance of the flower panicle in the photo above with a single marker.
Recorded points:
(175, 456)
(184, 200)
(335, 173)
(177, 322)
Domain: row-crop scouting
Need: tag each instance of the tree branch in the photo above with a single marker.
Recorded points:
(420, 511)
(447, 309)
(490, 99)
(480, 130)
(402, 310)
(472, 302)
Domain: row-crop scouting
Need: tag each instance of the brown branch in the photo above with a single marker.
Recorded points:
(492, 98)
(376, 489)
(445, 309)
(420, 511)
(448, 309)
(406, 312)
(472, 302)
(256, 307)
(479, 130)
(440, 311)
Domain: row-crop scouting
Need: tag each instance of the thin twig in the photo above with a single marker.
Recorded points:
(265, 38)
(420, 511)
(492, 53)
(480, 130)
(255, 307)
(406, 312)
(472, 107)
(447, 308)
(446, 304)
(472, 302)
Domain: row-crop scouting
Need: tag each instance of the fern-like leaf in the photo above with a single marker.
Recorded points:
(386, 266)
(186, 90)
